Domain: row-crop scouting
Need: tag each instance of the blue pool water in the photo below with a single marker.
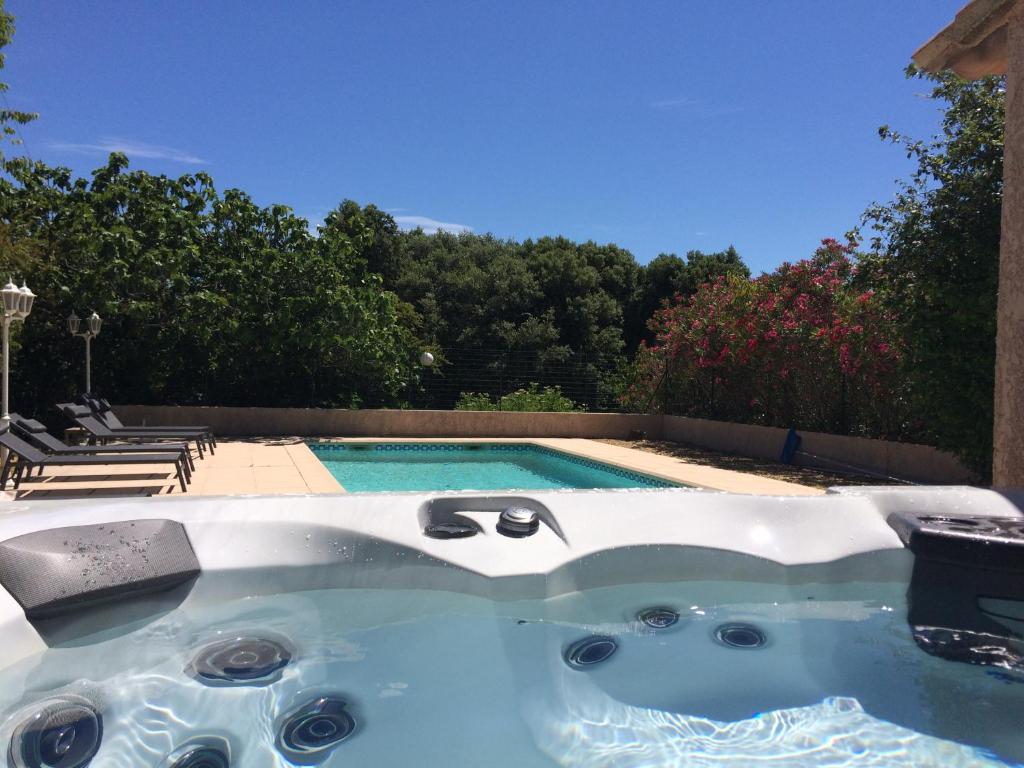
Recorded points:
(469, 466)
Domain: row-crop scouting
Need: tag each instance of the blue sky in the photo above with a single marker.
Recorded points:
(660, 126)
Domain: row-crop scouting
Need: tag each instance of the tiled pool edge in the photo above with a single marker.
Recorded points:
(312, 471)
(646, 479)
(667, 468)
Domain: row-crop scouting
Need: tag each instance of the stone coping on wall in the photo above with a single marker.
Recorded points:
(907, 461)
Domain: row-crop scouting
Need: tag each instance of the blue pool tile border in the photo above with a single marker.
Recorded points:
(646, 481)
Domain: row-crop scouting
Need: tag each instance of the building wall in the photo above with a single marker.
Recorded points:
(1008, 456)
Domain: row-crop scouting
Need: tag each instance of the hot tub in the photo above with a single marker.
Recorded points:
(603, 628)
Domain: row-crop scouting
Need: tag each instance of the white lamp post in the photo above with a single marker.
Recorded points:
(426, 359)
(17, 306)
(93, 323)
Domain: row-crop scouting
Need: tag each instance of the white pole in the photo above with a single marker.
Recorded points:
(88, 365)
(6, 417)
(7, 357)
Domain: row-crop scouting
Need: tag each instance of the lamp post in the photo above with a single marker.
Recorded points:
(17, 306)
(426, 360)
(93, 323)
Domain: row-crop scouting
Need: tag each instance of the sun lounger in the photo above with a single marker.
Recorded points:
(35, 432)
(103, 411)
(29, 456)
(83, 416)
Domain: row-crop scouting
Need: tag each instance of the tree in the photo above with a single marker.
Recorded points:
(10, 119)
(661, 279)
(798, 347)
(702, 268)
(667, 277)
(380, 244)
(207, 298)
(935, 260)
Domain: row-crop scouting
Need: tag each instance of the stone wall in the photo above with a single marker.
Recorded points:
(836, 452)
(323, 422)
(907, 461)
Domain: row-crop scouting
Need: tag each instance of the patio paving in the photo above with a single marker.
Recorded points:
(286, 465)
(272, 465)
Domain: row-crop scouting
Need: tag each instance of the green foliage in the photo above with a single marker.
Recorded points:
(475, 401)
(668, 277)
(207, 298)
(10, 119)
(211, 298)
(575, 310)
(935, 262)
(798, 347)
(554, 301)
(532, 398)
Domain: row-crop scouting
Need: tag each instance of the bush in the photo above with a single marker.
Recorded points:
(935, 263)
(550, 399)
(475, 401)
(801, 346)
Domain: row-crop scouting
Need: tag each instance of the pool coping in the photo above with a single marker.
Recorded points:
(669, 468)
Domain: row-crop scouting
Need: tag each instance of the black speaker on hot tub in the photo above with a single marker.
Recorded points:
(966, 597)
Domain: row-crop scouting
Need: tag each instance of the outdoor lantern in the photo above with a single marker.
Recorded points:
(17, 306)
(426, 359)
(12, 298)
(27, 297)
(92, 329)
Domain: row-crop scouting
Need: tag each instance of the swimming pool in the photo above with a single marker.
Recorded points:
(469, 466)
(336, 631)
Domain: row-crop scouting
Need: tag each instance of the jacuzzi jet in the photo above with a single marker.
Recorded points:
(740, 636)
(589, 651)
(518, 522)
(658, 618)
(240, 661)
(61, 733)
(201, 757)
(449, 531)
(309, 733)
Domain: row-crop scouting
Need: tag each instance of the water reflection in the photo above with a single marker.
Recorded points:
(583, 726)
(432, 678)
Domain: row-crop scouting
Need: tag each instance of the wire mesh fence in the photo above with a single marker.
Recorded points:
(587, 381)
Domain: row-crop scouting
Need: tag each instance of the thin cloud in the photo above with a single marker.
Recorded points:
(697, 107)
(431, 226)
(131, 148)
(666, 103)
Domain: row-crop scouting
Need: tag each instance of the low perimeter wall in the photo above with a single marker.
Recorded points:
(907, 461)
(324, 422)
(836, 452)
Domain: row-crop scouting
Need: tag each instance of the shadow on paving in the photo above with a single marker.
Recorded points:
(39, 494)
(815, 478)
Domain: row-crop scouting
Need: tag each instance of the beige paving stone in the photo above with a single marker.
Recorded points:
(678, 470)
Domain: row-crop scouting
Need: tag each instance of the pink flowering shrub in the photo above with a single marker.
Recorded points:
(801, 346)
